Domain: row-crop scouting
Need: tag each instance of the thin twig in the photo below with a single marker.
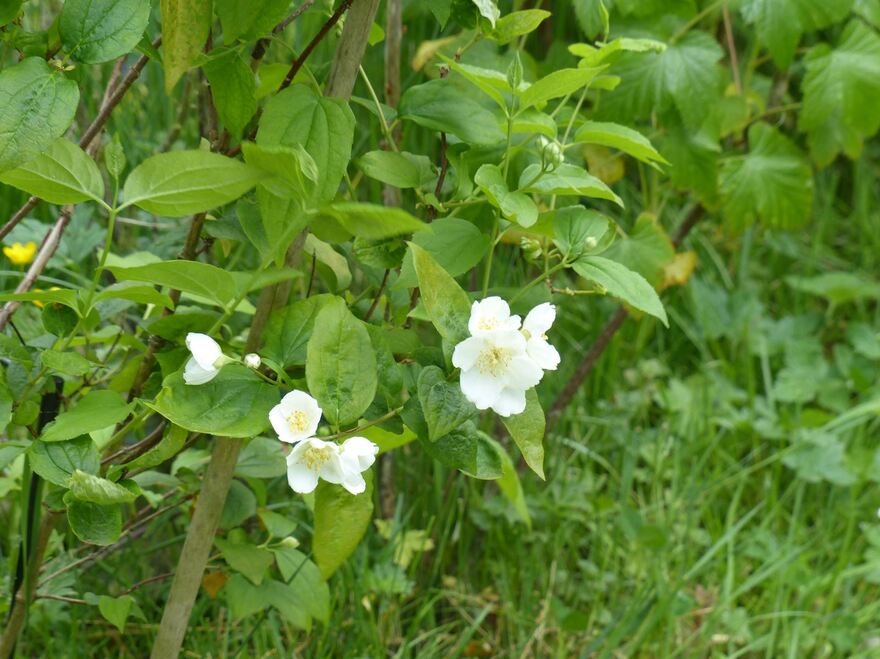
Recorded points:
(144, 582)
(304, 55)
(731, 47)
(377, 297)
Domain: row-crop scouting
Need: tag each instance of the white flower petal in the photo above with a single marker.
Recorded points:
(510, 401)
(543, 354)
(355, 484)
(205, 350)
(361, 450)
(524, 373)
(540, 319)
(465, 354)
(482, 390)
(193, 373)
(490, 315)
(296, 417)
(301, 479)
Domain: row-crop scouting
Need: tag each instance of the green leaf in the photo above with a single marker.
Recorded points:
(98, 409)
(293, 171)
(836, 287)
(341, 364)
(135, 293)
(249, 20)
(341, 519)
(373, 221)
(240, 505)
(622, 283)
(455, 244)
(527, 431)
(289, 329)
(56, 462)
(820, 457)
(781, 23)
(336, 263)
(94, 523)
(517, 24)
(169, 446)
(117, 609)
(185, 182)
(9, 10)
(233, 89)
(517, 207)
(510, 486)
(37, 104)
(305, 581)
(842, 89)
(468, 450)
(646, 250)
(202, 279)
(400, 169)
(488, 9)
(68, 363)
(185, 28)
(235, 403)
(556, 85)
(95, 32)
(62, 174)
(773, 182)
(440, 105)
(252, 561)
(566, 180)
(94, 489)
(261, 458)
(324, 127)
(592, 17)
(443, 404)
(578, 230)
(619, 137)
(66, 297)
(277, 524)
(448, 306)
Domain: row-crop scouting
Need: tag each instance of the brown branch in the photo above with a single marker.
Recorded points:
(731, 47)
(144, 582)
(589, 361)
(304, 55)
(378, 296)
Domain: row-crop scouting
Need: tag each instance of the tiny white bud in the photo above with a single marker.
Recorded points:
(290, 542)
(591, 242)
(252, 360)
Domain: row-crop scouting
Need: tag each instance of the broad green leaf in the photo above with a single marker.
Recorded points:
(646, 250)
(169, 446)
(610, 51)
(491, 82)
(533, 122)
(305, 581)
(233, 88)
(289, 329)
(440, 105)
(557, 84)
(278, 525)
(6, 400)
(566, 180)
(135, 293)
(95, 32)
(98, 409)
(235, 403)
(578, 230)
(341, 519)
(292, 171)
(341, 364)
(448, 306)
(66, 297)
(622, 283)
(619, 137)
(185, 182)
(510, 486)
(202, 279)
(455, 244)
(94, 523)
(240, 505)
(694, 163)
(251, 561)
(400, 169)
(249, 20)
(37, 104)
(518, 23)
(336, 263)
(281, 221)
(517, 207)
(468, 450)
(324, 127)
(837, 287)
(185, 28)
(94, 489)
(592, 17)
(118, 609)
(781, 23)
(773, 182)
(261, 458)
(527, 431)
(842, 91)
(489, 10)
(62, 174)
(56, 462)
(443, 404)
(373, 221)
(69, 363)
(9, 10)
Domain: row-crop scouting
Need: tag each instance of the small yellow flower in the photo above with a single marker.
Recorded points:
(39, 304)
(20, 254)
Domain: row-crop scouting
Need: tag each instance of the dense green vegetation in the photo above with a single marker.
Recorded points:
(694, 184)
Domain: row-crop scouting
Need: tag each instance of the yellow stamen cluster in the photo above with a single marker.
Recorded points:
(487, 323)
(494, 361)
(315, 457)
(298, 421)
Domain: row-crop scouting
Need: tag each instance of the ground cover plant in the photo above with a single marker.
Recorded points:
(462, 328)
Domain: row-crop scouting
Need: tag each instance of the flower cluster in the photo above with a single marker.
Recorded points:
(295, 420)
(503, 357)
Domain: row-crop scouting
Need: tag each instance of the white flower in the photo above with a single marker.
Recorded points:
(358, 454)
(534, 329)
(496, 370)
(312, 459)
(252, 360)
(491, 315)
(206, 360)
(344, 465)
(296, 417)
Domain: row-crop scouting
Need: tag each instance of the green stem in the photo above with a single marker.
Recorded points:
(488, 271)
(537, 280)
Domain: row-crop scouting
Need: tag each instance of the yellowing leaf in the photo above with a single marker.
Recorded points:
(603, 164)
(679, 270)
(213, 583)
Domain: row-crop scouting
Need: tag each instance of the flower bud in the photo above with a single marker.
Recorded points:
(590, 242)
(252, 360)
(531, 248)
(290, 542)
(551, 153)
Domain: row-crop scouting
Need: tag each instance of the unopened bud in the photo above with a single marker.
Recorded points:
(531, 248)
(252, 360)
(591, 242)
(290, 542)
(551, 153)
